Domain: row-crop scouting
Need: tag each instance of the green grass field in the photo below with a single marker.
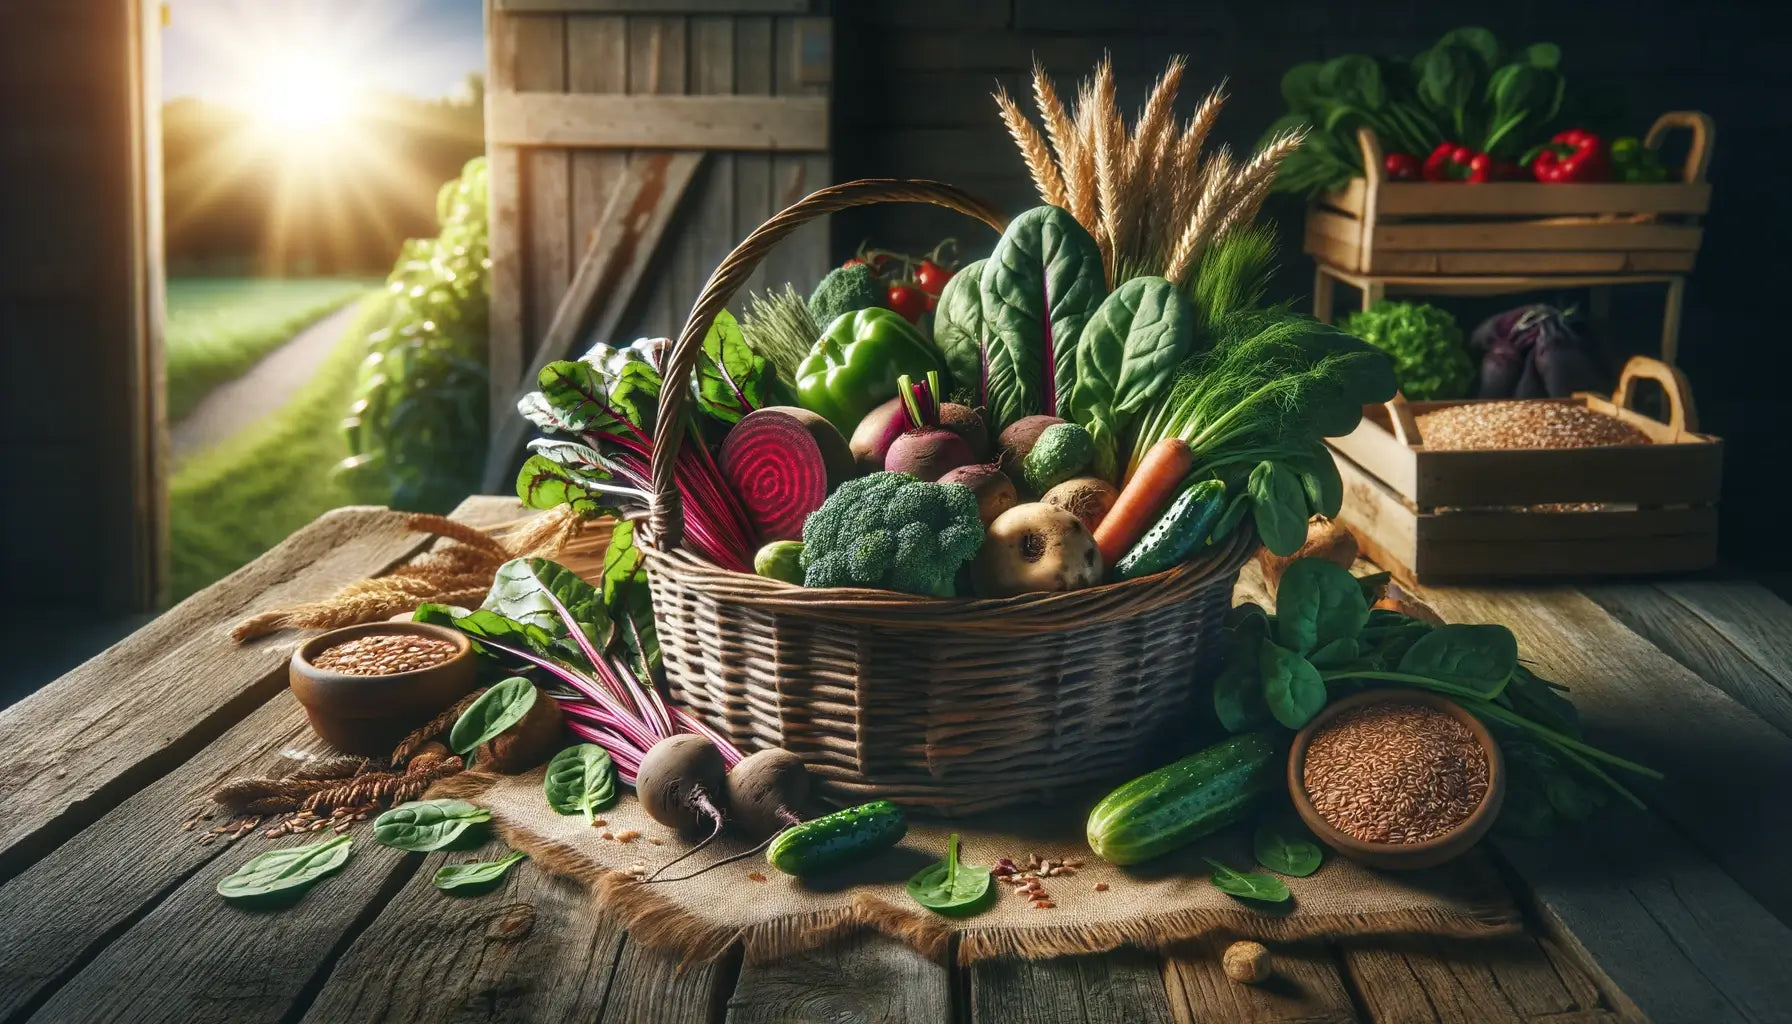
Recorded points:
(232, 502)
(217, 327)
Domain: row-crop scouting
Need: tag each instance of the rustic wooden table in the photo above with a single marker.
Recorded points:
(1679, 915)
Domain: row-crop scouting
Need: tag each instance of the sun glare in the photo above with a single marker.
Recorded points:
(301, 93)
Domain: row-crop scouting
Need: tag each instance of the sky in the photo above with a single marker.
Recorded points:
(221, 50)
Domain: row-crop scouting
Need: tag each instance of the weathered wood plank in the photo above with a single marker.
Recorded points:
(657, 49)
(1305, 989)
(1744, 613)
(753, 59)
(597, 61)
(547, 174)
(868, 978)
(797, 45)
(504, 171)
(1504, 979)
(1123, 986)
(64, 909)
(1726, 768)
(710, 213)
(83, 744)
(774, 123)
(1691, 639)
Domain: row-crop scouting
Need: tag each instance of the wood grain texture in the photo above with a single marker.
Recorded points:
(658, 48)
(753, 204)
(775, 123)
(1747, 615)
(546, 175)
(803, 257)
(867, 979)
(531, 949)
(1306, 988)
(1504, 979)
(1690, 638)
(1124, 987)
(83, 744)
(505, 243)
(66, 907)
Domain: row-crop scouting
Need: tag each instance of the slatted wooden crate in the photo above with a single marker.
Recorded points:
(1531, 229)
(1458, 516)
(632, 143)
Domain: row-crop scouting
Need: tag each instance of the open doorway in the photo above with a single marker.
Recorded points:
(324, 224)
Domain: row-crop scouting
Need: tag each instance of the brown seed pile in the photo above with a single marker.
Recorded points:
(1024, 878)
(1395, 773)
(384, 654)
(1523, 424)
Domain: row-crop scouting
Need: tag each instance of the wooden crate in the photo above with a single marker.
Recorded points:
(1377, 226)
(1459, 516)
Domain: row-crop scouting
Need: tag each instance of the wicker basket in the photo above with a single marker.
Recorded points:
(955, 705)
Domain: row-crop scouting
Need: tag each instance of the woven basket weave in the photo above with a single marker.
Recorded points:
(955, 705)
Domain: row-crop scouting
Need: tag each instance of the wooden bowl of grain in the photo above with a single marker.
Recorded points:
(365, 687)
(1397, 778)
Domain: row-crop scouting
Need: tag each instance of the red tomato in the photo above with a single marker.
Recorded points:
(854, 262)
(909, 301)
(932, 277)
(932, 301)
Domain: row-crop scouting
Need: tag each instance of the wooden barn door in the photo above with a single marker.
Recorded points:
(632, 143)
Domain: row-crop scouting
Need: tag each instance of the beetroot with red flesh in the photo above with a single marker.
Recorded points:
(782, 462)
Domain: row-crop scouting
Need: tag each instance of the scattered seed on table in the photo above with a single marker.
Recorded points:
(1043, 904)
(657, 842)
(608, 834)
(756, 876)
(628, 835)
(1101, 887)
(598, 822)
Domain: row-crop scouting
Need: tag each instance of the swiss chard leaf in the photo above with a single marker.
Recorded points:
(1318, 603)
(1126, 359)
(1247, 885)
(496, 710)
(949, 887)
(959, 332)
(580, 780)
(1292, 687)
(425, 825)
(1039, 287)
(478, 875)
(731, 379)
(526, 589)
(623, 401)
(1481, 657)
(279, 872)
(482, 624)
(627, 597)
(546, 484)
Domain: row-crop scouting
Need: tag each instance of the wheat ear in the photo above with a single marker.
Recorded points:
(1199, 229)
(1033, 150)
(1059, 129)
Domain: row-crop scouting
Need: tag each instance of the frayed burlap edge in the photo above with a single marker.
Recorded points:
(664, 925)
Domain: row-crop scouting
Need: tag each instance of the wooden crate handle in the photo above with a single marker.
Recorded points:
(1375, 175)
(1704, 134)
(1400, 417)
(1682, 415)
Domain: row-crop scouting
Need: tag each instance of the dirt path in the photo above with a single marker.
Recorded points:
(263, 388)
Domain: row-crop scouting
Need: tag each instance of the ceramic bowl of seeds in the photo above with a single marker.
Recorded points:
(1397, 778)
(364, 687)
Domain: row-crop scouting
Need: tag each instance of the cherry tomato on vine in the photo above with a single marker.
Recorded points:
(853, 262)
(909, 301)
(932, 277)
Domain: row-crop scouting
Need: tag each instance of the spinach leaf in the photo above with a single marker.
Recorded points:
(1335, 654)
(627, 597)
(477, 875)
(580, 779)
(280, 871)
(1125, 360)
(1291, 685)
(1039, 287)
(949, 887)
(1482, 658)
(1286, 849)
(1318, 602)
(1537, 699)
(496, 710)
(1279, 507)
(731, 379)
(959, 332)
(1247, 885)
(425, 825)
(1238, 694)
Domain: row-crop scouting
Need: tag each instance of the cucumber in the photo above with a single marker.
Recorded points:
(838, 838)
(1181, 802)
(1183, 527)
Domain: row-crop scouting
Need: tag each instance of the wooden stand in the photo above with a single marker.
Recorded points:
(1457, 516)
(1498, 238)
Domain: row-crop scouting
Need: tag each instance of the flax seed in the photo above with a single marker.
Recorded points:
(379, 654)
(1395, 773)
(1101, 887)
(756, 876)
(1043, 904)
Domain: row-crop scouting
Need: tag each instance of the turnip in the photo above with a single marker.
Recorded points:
(767, 791)
(995, 492)
(678, 783)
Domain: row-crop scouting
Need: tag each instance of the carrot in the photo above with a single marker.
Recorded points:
(1159, 474)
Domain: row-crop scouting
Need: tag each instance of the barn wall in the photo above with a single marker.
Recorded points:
(912, 100)
(79, 307)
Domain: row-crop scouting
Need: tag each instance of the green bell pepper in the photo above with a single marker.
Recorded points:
(854, 365)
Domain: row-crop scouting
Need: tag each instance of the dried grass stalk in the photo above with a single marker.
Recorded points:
(1034, 151)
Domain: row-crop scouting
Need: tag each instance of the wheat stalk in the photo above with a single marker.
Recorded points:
(1110, 164)
(1084, 190)
(1199, 229)
(1059, 129)
(1033, 150)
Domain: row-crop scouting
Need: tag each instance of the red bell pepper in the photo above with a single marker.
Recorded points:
(1401, 167)
(1573, 157)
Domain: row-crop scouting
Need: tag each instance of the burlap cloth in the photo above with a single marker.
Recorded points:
(1150, 906)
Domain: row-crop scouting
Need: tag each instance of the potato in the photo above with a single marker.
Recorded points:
(1326, 538)
(1086, 497)
(525, 744)
(1035, 548)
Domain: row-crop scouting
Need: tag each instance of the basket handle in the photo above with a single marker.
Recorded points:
(1704, 131)
(1682, 416)
(667, 516)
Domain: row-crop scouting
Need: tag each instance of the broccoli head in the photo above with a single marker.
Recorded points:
(892, 531)
(844, 290)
